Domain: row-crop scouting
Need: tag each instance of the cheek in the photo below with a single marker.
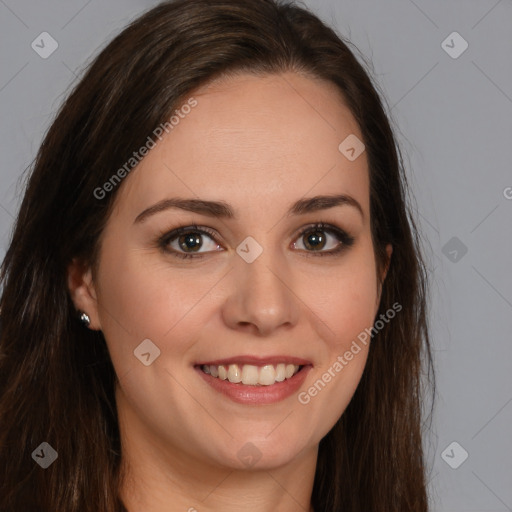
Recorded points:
(347, 306)
(345, 299)
(140, 297)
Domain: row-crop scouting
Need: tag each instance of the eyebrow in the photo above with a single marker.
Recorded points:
(220, 209)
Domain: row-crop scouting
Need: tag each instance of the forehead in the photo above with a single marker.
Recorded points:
(257, 142)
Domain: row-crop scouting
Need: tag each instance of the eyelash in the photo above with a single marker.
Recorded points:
(345, 239)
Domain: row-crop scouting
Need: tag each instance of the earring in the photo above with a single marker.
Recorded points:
(84, 318)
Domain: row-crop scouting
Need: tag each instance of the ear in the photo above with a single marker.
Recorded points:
(83, 292)
(389, 252)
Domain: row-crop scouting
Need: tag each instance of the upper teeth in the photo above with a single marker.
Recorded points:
(253, 375)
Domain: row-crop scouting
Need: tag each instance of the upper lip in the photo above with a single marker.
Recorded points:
(256, 360)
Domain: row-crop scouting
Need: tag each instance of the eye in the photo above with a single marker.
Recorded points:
(313, 238)
(189, 238)
(186, 242)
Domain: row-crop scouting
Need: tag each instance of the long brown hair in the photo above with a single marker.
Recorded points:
(56, 378)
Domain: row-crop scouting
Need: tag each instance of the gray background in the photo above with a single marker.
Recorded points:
(453, 117)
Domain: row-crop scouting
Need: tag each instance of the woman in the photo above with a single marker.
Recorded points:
(173, 337)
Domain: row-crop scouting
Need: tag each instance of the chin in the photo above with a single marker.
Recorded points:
(262, 452)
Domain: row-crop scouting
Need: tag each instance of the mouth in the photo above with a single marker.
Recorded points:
(251, 380)
(252, 375)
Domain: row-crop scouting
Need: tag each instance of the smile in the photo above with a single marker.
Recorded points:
(255, 380)
(251, 375)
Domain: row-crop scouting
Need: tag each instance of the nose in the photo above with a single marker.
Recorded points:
(262, 298)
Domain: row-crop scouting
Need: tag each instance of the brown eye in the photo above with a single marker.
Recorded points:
(187, 242)
(183, 242)
(315, 238)
(191, 242)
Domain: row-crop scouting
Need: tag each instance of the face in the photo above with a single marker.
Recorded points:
(249, 288)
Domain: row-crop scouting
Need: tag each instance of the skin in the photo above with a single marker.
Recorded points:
(259, 144)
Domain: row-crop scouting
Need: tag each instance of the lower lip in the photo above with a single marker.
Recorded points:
(245, 394)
